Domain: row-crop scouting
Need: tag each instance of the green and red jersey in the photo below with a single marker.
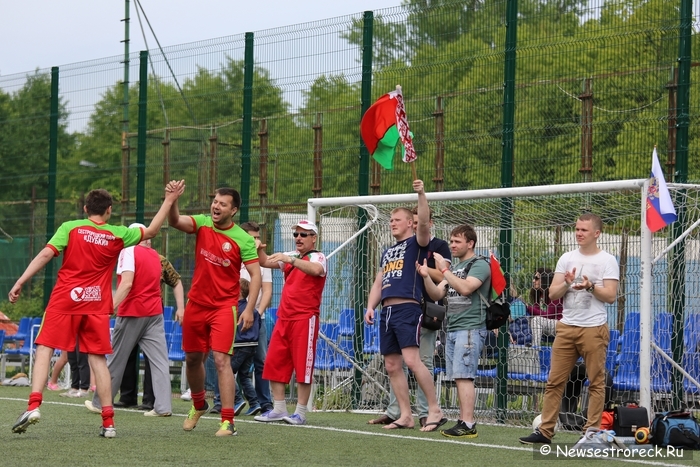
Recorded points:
(217, 265)
(90, 252)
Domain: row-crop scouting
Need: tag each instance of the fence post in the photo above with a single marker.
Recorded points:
(51, 194)
(264, 154)
(586, 98)
(677, 279)
(213, 160)
(363, 188)
(506, 224)
(143, 128)
(246, 137)
(439, 115)
(318, 156)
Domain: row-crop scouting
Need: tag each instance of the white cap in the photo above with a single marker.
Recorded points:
(137, 224)
(306, 225)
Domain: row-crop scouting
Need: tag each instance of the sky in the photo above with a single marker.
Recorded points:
(45, 33)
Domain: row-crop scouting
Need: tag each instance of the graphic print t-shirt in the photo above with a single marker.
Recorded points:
(217, 265)
(90, 252)
(399, 276)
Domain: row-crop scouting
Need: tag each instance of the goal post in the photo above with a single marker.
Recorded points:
(353, 232)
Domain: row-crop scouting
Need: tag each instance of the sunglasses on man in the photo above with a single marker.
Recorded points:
(302, 234)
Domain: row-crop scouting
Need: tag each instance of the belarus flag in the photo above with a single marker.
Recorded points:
(383, 125)
(660, 210)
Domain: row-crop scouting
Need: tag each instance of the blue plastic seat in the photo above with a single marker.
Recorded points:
(626, 376)
(611, 356)
(175, 352)
(660, 367)
(28, 343)
(270, 320)
(691, 364)
(22, 330)
(325, 354)
(168, 312)
(371, 338)
(341, 362)
(346, 321)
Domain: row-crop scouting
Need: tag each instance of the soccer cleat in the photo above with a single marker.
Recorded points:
(271, 416)
(30, 417)
(460, 430)
(194, 416)
(153, 413)
(253, 411)
(108, 432)
(186, 396)
(91, 407)
(535, 438)
(239, 408)
(295, 419)
(227, 429)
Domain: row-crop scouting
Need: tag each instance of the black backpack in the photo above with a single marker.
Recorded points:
(497, 310)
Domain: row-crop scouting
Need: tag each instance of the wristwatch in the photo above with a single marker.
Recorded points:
(590, 289)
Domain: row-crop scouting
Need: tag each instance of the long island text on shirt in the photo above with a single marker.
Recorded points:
(399, 276)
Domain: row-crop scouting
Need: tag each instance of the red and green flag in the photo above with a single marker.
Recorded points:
(383, 126)
(498, 280)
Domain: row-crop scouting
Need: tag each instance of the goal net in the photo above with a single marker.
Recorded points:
(527, 229)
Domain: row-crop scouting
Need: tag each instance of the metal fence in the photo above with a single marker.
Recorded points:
(498, 93)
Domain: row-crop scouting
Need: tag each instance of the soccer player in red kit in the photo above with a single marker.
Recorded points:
(293, 341)
(81, 302)
(211, 313)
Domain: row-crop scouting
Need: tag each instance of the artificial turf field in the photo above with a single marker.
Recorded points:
(67, 435)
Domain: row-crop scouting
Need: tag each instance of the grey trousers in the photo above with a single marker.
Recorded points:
(149, 334)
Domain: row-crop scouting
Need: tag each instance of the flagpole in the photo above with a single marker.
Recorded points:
(413, 170)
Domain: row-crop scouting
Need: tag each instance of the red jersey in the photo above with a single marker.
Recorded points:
(217, 265)
(301, 294)
(144, 298)
(84, 282)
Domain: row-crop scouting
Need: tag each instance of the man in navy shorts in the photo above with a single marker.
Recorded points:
(399, 288)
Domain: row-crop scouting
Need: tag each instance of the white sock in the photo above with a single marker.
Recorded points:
(301, 411)
(469, 425)
(280, 406)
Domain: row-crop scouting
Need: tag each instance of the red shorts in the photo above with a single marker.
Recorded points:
(205, 328)
(292, 347)
(61, 331)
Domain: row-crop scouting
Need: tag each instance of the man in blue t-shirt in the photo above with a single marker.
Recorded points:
(428, 337)
(399, 289)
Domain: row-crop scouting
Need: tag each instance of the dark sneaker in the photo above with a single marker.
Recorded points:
(460, 430)
(239, 408)
(109, 432)
(227, 429)
(253, 411)
(215, 409)
(30, 417)
(193, 417)
(535, 438)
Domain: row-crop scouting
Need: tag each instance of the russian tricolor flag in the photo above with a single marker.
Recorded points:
(660, 210)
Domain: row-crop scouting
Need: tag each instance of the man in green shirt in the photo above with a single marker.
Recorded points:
(468, 276)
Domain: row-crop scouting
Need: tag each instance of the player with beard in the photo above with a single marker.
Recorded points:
(211, 313)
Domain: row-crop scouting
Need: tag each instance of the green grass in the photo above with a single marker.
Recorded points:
(68, 436)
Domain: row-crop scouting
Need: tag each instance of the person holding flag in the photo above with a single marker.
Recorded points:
(586, 278)
(468, 276)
